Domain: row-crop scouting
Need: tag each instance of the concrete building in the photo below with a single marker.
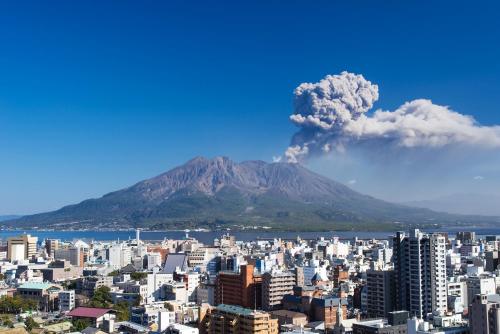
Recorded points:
(155, 316)
(155, 282)
(71, 254)
(243, 288)
(181, 329)
(59, 271)
(21, 248)
(45, 294)
(485, 314)
(275, 285)
(154, 260)
(50, 246)
(66, 300)
(87, 285)
(483, 284)
(286, 317)
(378, 326)
(381, 292)
(226, 319)
(420, 273)
(175, 291)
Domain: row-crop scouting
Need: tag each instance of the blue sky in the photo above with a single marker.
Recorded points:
(96, 95)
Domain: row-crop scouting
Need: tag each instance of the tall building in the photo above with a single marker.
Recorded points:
(484, 315)
(420, 273)
(225, 319)
(72, 254)
(21, 248)
(243, 288)
(275, 285)
(381, 295)
(51, 245)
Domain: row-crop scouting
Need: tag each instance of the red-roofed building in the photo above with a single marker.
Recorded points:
(96, 316)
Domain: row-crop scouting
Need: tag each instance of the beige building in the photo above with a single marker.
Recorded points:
(21, 248)
(225, 319)
(275, 285)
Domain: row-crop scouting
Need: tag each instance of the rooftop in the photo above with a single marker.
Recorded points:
(35, 286)
(89, 312)
(236, 310)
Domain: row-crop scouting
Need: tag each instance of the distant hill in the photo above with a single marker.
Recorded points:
(8, 217)
(465, 204)
(219, 193)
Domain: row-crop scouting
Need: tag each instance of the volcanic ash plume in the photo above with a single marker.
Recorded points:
(331, 115)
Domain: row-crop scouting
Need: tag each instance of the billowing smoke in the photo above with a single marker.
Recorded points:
(332, 116)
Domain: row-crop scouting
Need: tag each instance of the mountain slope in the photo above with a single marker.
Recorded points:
(218, 192)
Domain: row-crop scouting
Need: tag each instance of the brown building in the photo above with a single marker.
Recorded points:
(231, 319)
(286, 317)
(317, 308)
(243, 288)
(340, 275)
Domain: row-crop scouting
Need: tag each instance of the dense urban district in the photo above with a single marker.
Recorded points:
(411, 283)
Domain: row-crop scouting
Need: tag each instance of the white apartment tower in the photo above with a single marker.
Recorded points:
(420, 269)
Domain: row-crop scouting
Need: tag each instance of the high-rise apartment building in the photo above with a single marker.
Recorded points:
(275, 285)
(381, 296)
(243, 288)
(420, 273)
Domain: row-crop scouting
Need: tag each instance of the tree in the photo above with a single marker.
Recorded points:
(80, 324)
(101, 298)
(16, 304)
(6, 321)
(30, 324)
(169, 306)
(114, 273)
(137, 276)
(138, 300)
(122, 311)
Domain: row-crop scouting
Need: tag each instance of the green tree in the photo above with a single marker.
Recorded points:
(6, 320)
(30, 324)
(169, 306)
(122, 311)
(137, 276)
(114, 273)
(138, 300)
(101, 298)
(16, 304)
(80, 324)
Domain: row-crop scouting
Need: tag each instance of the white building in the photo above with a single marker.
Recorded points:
(420, 268)
(181, 329)
(155, 283)
(480, 285)
(154, 259)
(66, 300)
